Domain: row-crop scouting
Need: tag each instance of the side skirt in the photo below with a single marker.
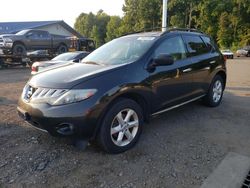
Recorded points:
(176, 106)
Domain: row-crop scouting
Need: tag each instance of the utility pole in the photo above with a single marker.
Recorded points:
(164, 15)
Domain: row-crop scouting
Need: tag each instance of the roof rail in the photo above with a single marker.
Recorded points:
(185, 29)
(144, 30)
(168, 30)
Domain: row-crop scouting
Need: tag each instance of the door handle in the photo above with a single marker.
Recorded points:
(212, 62)
(187, 70)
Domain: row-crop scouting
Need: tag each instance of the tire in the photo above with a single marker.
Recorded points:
(62, 49)
(110, 142)
(19, 49)
(215, 92)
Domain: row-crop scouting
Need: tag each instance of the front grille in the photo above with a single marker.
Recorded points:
(47, 93)
(246, 183)
(30, 93)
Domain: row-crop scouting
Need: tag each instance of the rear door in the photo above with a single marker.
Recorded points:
(45, 40)
(203, 57)
(171, 84)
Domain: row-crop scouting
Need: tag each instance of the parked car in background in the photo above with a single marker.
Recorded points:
(119, 86)
(81, 44)
(228, 54)
(75, 57)
(21, 42)
(243, 51)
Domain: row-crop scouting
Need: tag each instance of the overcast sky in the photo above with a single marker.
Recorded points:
(45, 10)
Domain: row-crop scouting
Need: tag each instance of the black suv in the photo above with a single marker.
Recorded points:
(122, 84)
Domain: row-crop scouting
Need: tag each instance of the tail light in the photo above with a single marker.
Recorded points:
(225, 58)
(34, 68)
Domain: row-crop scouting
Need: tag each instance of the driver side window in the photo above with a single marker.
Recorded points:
(172, 46)
(32, 35)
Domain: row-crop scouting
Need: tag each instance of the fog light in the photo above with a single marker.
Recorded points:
(65, 129)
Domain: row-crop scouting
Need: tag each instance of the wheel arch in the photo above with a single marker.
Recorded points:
(19, 42)
(135, 96)
(223, 75)
(62, 44)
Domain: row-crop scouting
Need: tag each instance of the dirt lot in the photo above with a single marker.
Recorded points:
(177, 149)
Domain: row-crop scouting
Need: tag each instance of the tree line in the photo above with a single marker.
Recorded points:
(228, 21)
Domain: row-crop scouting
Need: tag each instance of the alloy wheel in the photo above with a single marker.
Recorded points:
(124, 127)
(217, 91)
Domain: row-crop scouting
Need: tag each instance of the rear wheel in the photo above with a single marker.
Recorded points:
(121, 127)
(62, 49)
(215, 93)
(19, 49)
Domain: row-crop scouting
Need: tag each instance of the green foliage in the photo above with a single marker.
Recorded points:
(228, 21)
(225, 32)
(93, 26)
(113, 28)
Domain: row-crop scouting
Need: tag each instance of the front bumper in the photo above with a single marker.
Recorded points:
(76, 119)
(6, 45)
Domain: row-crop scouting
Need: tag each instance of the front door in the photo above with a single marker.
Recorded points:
(33, 40)
(171, 84)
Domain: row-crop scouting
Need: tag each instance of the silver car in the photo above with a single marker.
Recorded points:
(60, 59)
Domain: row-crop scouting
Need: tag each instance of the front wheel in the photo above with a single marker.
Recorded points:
(19, 49)
(215, 92)
(121, 127)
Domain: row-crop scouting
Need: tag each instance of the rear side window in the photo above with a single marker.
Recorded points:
(208, 42)
(42, 34)
(173, 46)
(195, 45)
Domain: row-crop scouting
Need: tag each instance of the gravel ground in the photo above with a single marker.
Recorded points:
(177, 149)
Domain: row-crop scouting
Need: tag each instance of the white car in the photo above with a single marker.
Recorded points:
(242, 52)
(227, 53)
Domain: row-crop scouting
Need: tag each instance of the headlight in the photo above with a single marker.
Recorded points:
(74, 96)
(70, 96)
(7, 40)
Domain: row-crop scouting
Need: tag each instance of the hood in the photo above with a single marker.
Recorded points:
(8, 35)
(68, 75)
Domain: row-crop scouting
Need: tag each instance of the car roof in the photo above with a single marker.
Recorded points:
(169, 32)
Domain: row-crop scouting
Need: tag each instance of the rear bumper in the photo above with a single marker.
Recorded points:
(229, 56)
(75, 120)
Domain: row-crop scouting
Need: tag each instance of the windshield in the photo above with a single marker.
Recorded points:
(23, 32)
(65, 57)
(121, 50)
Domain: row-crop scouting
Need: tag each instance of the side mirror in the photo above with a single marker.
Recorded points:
(163, 60)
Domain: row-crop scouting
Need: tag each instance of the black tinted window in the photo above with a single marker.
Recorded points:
(42, 34)
(195, 45)
(208, 42)
(172, 46)
(33, 35)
